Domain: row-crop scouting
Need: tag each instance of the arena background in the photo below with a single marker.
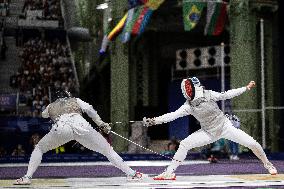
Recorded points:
(45, 47)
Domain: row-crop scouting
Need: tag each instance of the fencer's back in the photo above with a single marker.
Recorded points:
(63, 106)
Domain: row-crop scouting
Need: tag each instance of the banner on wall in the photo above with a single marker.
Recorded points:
(7, 102)
(24, 124)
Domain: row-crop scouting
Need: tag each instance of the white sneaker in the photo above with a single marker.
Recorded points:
(165, 176)
(25, 180)
(235, 157)
(137, 176)
(271, 169)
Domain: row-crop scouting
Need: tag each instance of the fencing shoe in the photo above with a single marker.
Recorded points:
(25, 180)
(165, 176)
(271, 169)
(137, 176)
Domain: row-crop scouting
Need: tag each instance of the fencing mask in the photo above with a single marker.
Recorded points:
(191, 88)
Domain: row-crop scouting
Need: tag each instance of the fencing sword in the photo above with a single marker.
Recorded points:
(144, 147)
(138, 146)
(147, 149)
(124, 122)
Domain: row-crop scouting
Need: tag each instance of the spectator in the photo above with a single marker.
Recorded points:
(19, 151)
(2, 151)
(171, 147)
(50, 8)
(4, 7)
(45, 65)
(34, 140)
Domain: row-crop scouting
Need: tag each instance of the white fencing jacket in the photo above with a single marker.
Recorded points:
(72, 121)
(204, 109)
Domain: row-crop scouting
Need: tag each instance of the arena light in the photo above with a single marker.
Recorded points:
(197, 62)
(183, 62)
(211, 61)
(102, 6)
(197, 53)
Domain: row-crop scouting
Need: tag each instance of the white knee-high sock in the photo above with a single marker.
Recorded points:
(178, 158)
(34, 162)
(118, 162)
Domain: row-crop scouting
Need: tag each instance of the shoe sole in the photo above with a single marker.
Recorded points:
(164, 178)
(21, 184)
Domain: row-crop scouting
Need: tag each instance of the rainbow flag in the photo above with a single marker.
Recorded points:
(191, 13)
(134, 21)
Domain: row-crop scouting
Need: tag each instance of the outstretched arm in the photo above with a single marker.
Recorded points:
(89, 110)
(182, 111)
(231, 93)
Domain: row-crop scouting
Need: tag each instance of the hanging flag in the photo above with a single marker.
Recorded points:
(134, 21)
(126, 34)
(139, 20)
(145, 15)
(191, 13)
(145, 21)
(216, 18)
(117, 29)
(104, 45)
(153, 4)
(127, 31)
(113, 34)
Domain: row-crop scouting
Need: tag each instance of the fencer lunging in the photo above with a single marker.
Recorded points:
(66, 112)
(202, 105)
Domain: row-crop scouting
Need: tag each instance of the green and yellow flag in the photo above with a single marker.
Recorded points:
(191, 13)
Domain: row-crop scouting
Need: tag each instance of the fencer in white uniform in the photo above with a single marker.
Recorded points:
(66, 113)
(202, 105)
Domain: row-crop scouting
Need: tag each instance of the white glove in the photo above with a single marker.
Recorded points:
(148, 122)
(105, 128)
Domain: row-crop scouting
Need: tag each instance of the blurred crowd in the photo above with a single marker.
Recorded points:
(25, 148)
(4, 7)
(45, 67)
(19, 149)
(50, 8)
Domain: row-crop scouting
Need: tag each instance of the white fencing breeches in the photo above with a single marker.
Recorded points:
(202, 137)
(75, 127)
